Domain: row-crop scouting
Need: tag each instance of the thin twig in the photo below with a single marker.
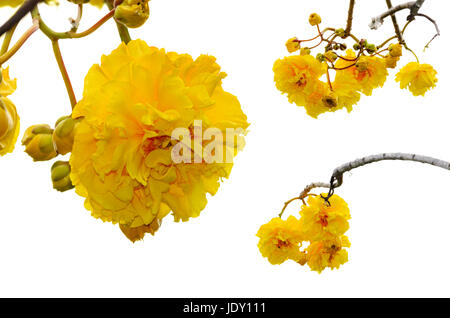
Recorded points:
(438, 32)
(65, 75)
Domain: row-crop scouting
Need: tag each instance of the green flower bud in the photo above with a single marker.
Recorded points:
(60, 174)
(64, 134)
(356, 46)
(132, 13)
(340, 32)
(38, 142)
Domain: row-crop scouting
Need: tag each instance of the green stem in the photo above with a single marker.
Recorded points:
(7, 40)
(8, 54)
(123, 30)
(64, 74)
(53, 35)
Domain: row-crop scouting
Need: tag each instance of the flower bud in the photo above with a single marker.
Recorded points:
(314, 19)
(356, 46)
(38, 142)
(320, 57)
(9, 126)
(330, 56)
(305, 51)
(63, 134)
(395, 50)
(371, 48)
(60, 173)
(340, 32)
(293, 45)
(132, 13)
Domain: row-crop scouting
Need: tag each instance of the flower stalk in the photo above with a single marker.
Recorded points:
(65, 75)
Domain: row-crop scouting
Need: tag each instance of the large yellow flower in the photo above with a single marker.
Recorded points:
(318, 218)
(418, 78)
(369, 72)
(122, 153)
(280, 240)
(9, 119)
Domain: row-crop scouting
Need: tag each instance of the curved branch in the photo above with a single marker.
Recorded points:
(413, 6)
(339, 171)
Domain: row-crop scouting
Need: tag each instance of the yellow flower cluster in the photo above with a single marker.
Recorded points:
(121, 157)
(9, 120)
(307, 81)
(321, 224)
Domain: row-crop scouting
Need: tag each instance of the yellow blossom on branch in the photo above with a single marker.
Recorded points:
(122, 153)
(418, 78)
(280, 239)
(319, 218)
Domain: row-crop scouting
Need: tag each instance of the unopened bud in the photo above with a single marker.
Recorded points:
(305, 51)
(293, 45)
(38, 142)
(132, 13)
(395, 50)
(331, 56)
(64, 134)
(60, 174)
(391, 62)
(340, 32)
(314, 19)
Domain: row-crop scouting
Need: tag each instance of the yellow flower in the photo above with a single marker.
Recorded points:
(293, 45)
(38, 142)
(314, 19)
(368, 72)
(319, 219)
(418, 78)
(298, 77)
(122, 153)
(9, 119)
(280, 240)
(327, 253)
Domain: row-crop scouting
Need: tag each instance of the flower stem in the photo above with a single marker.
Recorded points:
(123, 30)
(53, 35)
(7, 39)
(64, 74)
(8, 54)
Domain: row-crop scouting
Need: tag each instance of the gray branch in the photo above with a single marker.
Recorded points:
(413, 6)
(338, 173)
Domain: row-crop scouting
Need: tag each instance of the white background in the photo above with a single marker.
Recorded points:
(51, 246)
